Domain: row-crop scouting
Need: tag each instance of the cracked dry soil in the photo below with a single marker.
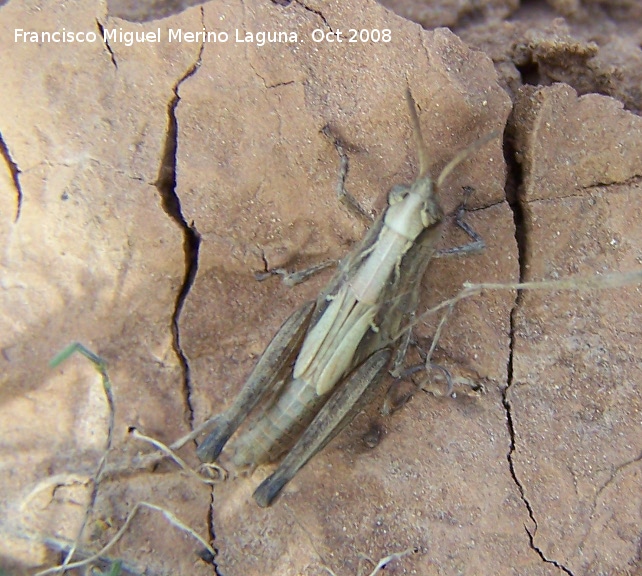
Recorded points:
(142, 187)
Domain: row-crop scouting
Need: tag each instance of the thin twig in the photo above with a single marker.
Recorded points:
(222, 473)
(101, 367)
(385, 561)
(102, 552)
(595, 282)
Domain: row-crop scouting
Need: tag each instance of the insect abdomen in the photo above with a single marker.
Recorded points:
(278, 428)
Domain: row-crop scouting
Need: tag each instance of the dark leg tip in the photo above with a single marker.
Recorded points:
(211, 447)
(269, 489)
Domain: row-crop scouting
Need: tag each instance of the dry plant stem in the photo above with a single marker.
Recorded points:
(437, 335)
(101, 367)
(384, 561)
(167, 451)
(52, 481)
(143, 462)
(595, 282)
(178, 444)
(168, 515)
(113, 563)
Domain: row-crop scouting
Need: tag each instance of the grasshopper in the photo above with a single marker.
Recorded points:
(330, 357)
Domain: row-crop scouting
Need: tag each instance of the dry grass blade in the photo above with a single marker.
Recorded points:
(105, 549)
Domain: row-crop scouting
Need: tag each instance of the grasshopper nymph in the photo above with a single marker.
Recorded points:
(330, 356)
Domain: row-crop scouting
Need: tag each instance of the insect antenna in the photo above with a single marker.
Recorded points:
(422, 151)
(461, 156)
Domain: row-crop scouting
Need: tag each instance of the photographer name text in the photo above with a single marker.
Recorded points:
(260, 38)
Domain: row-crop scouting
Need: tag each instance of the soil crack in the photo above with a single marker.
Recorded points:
(15, 174)
(513, 186)
(317, 12)
(344, 196)
(101, 30)
(166, 185)
(211, 532)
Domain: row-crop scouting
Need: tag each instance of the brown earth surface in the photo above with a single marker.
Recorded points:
(141, 188)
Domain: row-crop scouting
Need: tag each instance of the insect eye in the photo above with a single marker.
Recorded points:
(397, 194)
(430, 216)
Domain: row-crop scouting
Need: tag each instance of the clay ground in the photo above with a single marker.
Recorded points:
(141, 188)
